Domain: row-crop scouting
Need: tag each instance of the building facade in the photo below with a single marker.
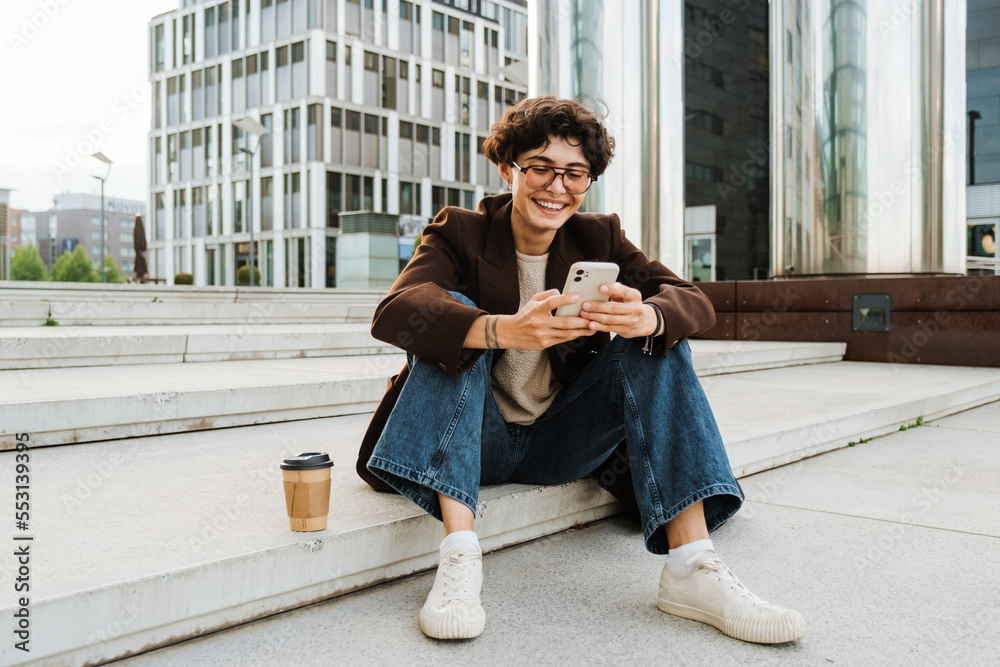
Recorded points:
(983, 144)
(5, 252)
(784, 138)
(75, 219)
(15, 228)
(368, 105)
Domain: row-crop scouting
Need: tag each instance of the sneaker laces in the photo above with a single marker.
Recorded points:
(713, 564)
(455, 571)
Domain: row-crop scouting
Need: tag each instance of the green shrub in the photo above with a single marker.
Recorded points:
(243, 276)
(184, 279)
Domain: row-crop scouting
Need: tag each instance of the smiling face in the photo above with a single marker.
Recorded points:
(538, 214)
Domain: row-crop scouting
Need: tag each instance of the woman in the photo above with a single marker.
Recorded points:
(499, 389)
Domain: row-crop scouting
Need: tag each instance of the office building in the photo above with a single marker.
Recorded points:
(4, 234)
(368, 105)
(15, 228)
(983, 144)
(778, 139)
(75, 219)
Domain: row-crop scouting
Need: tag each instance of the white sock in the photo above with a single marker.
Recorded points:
(465, 541)
(677, 558)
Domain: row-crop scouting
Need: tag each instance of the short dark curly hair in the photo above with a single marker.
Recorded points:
(529, 124)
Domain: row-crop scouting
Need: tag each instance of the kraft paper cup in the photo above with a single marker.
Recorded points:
(307, 490)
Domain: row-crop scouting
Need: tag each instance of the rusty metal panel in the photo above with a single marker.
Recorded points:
(724, 328)
(793, 295)
(943, 337)
(722, 293)
(948, 293)
(953, 294)
(771, 325)
(939, 337)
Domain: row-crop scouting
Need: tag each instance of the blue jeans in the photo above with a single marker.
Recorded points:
(448, 436)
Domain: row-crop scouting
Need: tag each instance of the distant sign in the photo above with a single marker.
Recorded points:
(119, 206)
(69, 245)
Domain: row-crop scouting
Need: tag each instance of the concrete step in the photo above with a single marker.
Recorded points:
(175, 536)
(73, 405)
(66, 347)
(182, 312)
(27, 291)
(866, 528)
(30, 304)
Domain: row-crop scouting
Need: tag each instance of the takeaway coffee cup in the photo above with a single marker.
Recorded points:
(307, 490)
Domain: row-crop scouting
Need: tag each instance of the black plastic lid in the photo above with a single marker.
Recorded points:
(307, 461)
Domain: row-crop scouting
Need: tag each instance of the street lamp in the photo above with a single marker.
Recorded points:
(251, 126)
(106, 160)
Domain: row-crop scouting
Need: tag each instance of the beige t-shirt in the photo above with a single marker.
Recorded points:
(522, 380)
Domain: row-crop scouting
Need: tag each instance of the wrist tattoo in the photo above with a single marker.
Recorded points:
(492, 342)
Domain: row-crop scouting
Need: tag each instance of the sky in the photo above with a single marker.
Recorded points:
(75, 81)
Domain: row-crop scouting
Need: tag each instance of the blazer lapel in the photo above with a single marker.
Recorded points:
(498, 284)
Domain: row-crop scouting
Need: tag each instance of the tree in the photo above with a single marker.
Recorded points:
(27, 264)
(112, 272)
(75, 267)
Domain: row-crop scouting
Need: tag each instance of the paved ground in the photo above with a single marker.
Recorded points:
(888, 548)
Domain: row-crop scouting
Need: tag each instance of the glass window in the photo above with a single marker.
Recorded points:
(172, 174)
(298, 70)
(223, 21)
(158, 105)
(388, 82)
(187, 43)
(315, 131)
(266, 203)
(353, 192)
(293, 142)
(252, 82)
(182, 89)
(406, 198)
(267, 141)
(197, 96)
(369, 195)
(265, 81)
(239, 197)
(159, 49)
(334, 198)
(173, 103)
(212, 92)
(266, 21)
(353, 120)
(209, 154)
(239, 89)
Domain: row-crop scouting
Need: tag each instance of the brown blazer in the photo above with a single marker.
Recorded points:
(473, 253)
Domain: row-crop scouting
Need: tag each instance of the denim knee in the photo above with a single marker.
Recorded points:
(462, 298)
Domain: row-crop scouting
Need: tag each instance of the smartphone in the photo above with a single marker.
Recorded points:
(585, 279)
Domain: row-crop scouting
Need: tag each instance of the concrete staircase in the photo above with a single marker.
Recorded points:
(152, 523)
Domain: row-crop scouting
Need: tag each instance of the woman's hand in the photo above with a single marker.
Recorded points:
(625, 314)
(534, 327)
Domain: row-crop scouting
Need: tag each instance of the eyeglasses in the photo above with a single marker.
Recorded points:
(574, 180)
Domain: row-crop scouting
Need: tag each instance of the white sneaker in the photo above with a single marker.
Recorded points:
(712, 594)
(453, 609)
